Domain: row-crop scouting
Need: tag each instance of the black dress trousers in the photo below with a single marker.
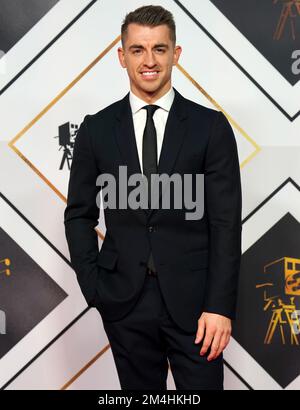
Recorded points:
(147, 340)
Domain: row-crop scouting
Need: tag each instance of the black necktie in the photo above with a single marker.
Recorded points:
(150, 157)
(149, 146)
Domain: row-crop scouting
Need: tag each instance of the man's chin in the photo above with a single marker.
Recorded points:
(150, 88)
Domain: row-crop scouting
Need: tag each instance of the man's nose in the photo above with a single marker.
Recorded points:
(149, 59)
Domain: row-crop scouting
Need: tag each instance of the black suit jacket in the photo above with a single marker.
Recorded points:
(198, 261)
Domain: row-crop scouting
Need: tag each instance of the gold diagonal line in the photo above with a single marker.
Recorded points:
(85, 367)
(64, 91)
(34, 168)
(45, 110)
(233, 122)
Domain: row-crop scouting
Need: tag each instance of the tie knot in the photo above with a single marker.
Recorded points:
(151, 109)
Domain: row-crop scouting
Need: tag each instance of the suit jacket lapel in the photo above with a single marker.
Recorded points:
(125, 137)
(172, 141)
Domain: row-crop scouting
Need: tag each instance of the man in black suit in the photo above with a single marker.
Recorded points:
(164, 284)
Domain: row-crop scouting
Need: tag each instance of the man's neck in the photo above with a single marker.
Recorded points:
(150, 98)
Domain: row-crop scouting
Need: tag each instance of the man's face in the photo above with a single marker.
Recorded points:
(149, 56)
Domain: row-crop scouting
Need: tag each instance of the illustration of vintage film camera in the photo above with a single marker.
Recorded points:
(282, 288)
(66, 140)
(289, 12)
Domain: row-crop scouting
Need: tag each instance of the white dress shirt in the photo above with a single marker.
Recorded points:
(159, 117)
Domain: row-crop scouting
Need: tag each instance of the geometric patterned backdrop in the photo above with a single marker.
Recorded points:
(59, 63)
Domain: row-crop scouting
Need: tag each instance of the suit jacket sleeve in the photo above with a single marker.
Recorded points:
(82, 213)
(224, 205)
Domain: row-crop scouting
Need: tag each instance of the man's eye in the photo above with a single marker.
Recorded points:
(160, 50)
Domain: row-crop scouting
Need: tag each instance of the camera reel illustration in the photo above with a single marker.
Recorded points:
(279, 296)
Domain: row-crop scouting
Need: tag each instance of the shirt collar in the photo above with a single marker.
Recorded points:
(163, 102)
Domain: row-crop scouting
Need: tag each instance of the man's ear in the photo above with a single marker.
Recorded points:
(177, 54)
(121, 57)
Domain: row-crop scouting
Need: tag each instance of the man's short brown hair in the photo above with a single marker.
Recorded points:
(149, 16)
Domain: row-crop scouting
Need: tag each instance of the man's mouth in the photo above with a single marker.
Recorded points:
(150, 75)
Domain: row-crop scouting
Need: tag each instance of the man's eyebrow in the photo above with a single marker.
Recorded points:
(139, 46)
